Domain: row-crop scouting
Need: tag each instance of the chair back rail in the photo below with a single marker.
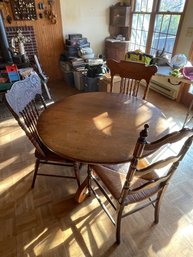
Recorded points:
(25, 101)
(131, 74)
(142, 145)
(23, 92)
(142, 184)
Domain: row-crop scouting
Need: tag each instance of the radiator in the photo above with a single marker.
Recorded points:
(162, 86)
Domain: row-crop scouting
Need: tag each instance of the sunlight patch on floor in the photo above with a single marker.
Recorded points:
(15, 178)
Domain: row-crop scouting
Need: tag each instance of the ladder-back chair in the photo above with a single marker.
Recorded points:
(131, 74)
(144, 185)
(26, 102)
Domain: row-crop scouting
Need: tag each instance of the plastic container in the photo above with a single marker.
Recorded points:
(65, 66)
(69, 78)
(91, 84)
(78, 80)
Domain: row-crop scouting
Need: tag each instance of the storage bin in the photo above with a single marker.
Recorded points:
(79, 80)
(91, 84)
(65, 66)
(69, 78)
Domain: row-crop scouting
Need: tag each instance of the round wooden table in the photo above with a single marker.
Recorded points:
(99, 127)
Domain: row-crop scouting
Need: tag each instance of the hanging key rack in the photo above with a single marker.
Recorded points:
(24, 10)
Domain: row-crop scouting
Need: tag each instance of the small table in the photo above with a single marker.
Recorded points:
(99, 127)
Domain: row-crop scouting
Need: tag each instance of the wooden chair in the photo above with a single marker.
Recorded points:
(131, 74)
(141, 186)
(25, 102)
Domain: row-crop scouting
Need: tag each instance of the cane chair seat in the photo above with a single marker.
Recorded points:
(124, 167)
(114, 182)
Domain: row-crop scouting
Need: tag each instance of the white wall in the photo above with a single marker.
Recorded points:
(186, 33)
(89, 18)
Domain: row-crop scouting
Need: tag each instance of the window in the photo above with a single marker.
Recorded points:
(155, 25)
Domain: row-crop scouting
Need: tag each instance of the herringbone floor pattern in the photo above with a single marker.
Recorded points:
(46, 221)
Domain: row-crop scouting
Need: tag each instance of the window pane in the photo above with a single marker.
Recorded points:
(149, 5)
(170, 43)
(172, 6)
(134, 22)
(165, 23)
(140, 22)
(143, 5)
(133, 36)
(158, 22)
(142, 48)
(153, 52)
(175, 19)
(155, 40)
(162, 40)
(138, 36)
(146, 22)
(138, 5)
(165, 26)
(139, 31)
(143, 38)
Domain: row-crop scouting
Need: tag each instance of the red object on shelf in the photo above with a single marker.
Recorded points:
(12, 73)
(11, 68)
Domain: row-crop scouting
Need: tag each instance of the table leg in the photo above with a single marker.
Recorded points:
(82, 191)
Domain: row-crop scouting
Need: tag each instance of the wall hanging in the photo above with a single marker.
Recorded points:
(24, 10)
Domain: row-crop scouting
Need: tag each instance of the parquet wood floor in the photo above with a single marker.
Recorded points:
(47, 222)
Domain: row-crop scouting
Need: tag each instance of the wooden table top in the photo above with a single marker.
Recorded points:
(99, 127)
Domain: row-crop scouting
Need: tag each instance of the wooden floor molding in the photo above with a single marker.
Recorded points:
(47, 222)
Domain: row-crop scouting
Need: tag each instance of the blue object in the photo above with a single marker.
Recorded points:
(13, 76)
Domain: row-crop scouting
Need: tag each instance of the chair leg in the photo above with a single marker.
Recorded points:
(81, 193)
(77, 172)
(118, 225)
(157, 206)
(35, 172)
(89, 170)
